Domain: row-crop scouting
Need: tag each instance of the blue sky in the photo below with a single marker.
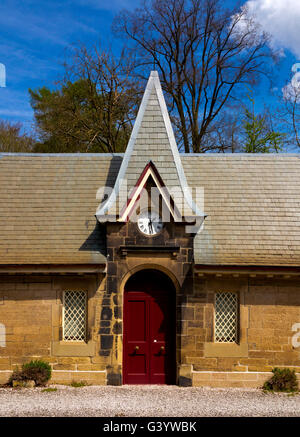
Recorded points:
(34, 35)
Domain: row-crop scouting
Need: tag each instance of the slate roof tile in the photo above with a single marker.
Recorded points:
(48, 203)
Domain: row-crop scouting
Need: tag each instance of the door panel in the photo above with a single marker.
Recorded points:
(137, 318)
(136, 340)
(149, 335)
(162, 343)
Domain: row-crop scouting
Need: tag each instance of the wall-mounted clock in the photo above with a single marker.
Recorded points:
(149, 223)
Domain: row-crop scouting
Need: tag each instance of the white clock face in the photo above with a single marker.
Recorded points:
(149, 223)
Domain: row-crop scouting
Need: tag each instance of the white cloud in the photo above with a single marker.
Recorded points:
(281, 19)
(292, 90)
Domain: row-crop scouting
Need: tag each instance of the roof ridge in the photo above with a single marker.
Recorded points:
(237, 154)
(181, 154)
(31, 154)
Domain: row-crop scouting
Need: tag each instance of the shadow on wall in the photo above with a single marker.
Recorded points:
(96, 241)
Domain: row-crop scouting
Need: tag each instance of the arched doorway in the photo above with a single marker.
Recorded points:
(149, 329)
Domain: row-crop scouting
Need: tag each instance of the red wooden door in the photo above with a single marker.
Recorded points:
(149, 332)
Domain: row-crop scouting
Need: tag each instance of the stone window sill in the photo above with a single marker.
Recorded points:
(227, 350)
(73, 349)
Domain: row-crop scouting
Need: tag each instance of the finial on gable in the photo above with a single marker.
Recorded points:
(154, 73)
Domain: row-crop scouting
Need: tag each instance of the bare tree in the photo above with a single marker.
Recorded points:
(13, 140)
(94, 106)
(112, 78)
(202, 51)
(224, 134)
(290, 114)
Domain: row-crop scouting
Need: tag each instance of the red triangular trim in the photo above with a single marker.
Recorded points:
(139, 186)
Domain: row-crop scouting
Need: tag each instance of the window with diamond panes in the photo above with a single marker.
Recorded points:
(226, 317)
(74, 317)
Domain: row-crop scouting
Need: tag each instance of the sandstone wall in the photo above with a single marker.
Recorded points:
(31, 312)
(269, 307)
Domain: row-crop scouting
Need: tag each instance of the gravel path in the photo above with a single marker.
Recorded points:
(145, 401)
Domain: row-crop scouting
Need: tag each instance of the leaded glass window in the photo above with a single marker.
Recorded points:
(226, 317)
(74, 316)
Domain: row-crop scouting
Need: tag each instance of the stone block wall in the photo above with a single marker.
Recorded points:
(31, 314)
(268, 310)
(122, 263)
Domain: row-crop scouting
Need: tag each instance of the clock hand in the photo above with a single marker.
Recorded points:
(150, 226)
(151, 231)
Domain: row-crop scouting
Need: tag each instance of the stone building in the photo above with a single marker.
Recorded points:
(197, 285)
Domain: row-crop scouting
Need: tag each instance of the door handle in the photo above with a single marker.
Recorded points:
(162, 348)
(136, 348)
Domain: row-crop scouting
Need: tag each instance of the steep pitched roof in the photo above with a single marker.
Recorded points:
(252, 203)
(152, 139)
(48, 202)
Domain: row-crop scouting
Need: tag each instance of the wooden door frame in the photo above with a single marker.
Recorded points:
(176, 286)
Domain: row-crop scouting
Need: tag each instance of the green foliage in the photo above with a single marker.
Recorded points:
(283, 380)
(259, 136)
(16, 376)
(38, 371)
(49, 390)
(79, 384)
(78, 118)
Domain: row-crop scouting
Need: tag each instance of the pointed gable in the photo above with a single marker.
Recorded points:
(152, 139)
(149, 173)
